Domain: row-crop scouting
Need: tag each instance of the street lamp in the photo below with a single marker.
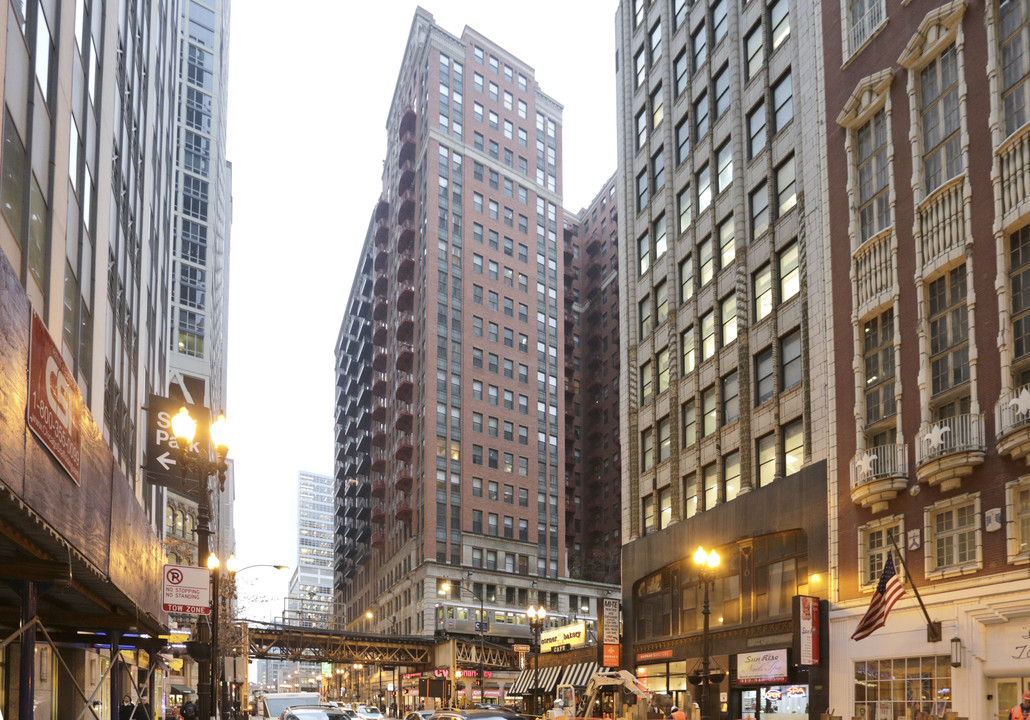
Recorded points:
(706, 562)
(184, 428)
(481, 626)
(536, 624)
(214, 565)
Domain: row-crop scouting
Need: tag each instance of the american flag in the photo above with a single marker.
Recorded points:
(888, 591)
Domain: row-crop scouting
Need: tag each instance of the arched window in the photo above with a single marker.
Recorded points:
(189, 525)
(169, 519)
(178, 522)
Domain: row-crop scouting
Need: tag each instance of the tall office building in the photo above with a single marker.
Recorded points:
(928, 109)
(86, 196)
(458, 309)
(593, 476)
(198, 285)
(724, 343)
(312, 581)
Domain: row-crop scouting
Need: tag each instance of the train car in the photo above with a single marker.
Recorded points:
(503, 623)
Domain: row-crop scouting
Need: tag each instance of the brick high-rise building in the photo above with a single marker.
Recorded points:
(456, 323)
(927, 119)
(724, 324)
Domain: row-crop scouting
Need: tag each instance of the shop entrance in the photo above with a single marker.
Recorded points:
(775, 702)
(1007, 694)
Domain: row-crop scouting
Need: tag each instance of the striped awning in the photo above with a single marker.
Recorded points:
(542, 680)
(579, 675)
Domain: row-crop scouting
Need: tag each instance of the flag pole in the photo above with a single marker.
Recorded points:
(933, 627)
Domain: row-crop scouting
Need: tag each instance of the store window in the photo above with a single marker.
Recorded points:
(903, 687)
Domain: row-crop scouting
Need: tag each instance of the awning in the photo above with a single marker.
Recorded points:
(182, 690)
(541, 680)
(579, 675)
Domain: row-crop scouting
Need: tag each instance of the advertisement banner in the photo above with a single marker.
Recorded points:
(55, 403)
(806, 630)
(610, 622)
(765, 666)
(563, 638)
(610, 657)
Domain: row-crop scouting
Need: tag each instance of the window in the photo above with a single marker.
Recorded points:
(873, 176)
(878, 354)
(662, 360)
(766, 452)
(646, 381)
(644, 253)
(707, 260)
(687, 279)
(701, 116)
(721, 90)
(730, 398)
(657, 107)
(719, 22)
(790, 280)
(728, 313)
(704, 188)
(759, 208)
(699, 43)
(664, 517)
(710, 481)
(790, 360)
(655, 43)
(647, 508)
(731, 473)
(680, 73)
(756, 130)
(786, 187)
(724, 167)
(689, 421)
(755, 50)
(708, 411)
(684, 209)
(949, 331)
(939, 115)
(864, 16)
(664, 439)
(707, 335)
(1017, 501)
(1019, 278)
(658, 170)
(793, 447)
(877, 540)
(641, 128)
(761, 285)
(660, 237)
(779, 21)
(647, 449)
(645, 317)
(640, 67)
(687, 342)
(953, 527)
(783, 102)
(661, 301)
(642, 190)
(1015, 51)
(683, 140)
(765, 376)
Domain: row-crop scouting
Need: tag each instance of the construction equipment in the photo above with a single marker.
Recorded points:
(566, 705)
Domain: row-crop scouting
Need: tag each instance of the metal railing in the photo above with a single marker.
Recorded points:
(949, 435)
(878, 463)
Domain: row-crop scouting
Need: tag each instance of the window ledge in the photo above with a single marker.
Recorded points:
(951, 571)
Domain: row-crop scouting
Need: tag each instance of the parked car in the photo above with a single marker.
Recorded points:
(476, 714)
(369, 712)
(313, 712)
(419, 715)
(351, 713)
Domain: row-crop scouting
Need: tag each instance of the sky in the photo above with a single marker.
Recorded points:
(310, 86)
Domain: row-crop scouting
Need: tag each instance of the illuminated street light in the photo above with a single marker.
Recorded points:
(706, 563)
(536, 624)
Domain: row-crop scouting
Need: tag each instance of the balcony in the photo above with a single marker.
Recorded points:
(405, 267)
(382, 236)
(379, 384)
(877, 476)
(378, 488)
(403, 510)
(405, 297)
(407, 181)
(382, 283)
(380, 309)
(1012, 419)
(405, 384)
(406, 240)
(378, 540)
(405, 326)
(1014, 162)
(380, 359)
(949, 449)
(407, 199)
(405, 418)
(378, 434)
(941, 223)
(382, 259)
(378, 455)
(382, 209)
(405, 357)
(380, 333)
(379, 411)
(407, 147)
(402, 449)
(378, 515)
(404, 478)
(593, 245)
(407, 122)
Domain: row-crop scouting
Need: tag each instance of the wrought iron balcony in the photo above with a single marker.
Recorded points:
(947, 450)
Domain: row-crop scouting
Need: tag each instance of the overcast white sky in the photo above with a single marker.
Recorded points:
(310, 86)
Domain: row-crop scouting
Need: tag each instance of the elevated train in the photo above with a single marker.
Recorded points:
(504, 624)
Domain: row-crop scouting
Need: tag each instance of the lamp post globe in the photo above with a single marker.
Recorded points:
(706, 562)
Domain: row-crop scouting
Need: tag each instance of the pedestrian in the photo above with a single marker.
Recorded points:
(126, 708)
(678, 714)
(187, 711)
(142, 711)
(1021, 711)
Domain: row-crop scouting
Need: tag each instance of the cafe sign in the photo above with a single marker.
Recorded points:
(766, 666)
(563, 638)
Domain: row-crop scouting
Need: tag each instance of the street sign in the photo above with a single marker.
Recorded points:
(186, 589)
(162, 449)
(520, 647)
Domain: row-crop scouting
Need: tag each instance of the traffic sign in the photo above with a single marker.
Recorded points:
(520, 647)
(162, 448)
(186, 589)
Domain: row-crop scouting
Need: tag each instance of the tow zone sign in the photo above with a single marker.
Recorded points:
(187, 589)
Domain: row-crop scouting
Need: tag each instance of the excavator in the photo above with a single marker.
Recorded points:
(567, 705)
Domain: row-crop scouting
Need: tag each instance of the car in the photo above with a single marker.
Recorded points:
(476, 714)
(313, 712)
(351, 713)
(419, 715)
(369, 712)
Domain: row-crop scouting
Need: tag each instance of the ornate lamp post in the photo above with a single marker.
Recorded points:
(481, 626)
(200, 463)
(706, 563)
(536, 624)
